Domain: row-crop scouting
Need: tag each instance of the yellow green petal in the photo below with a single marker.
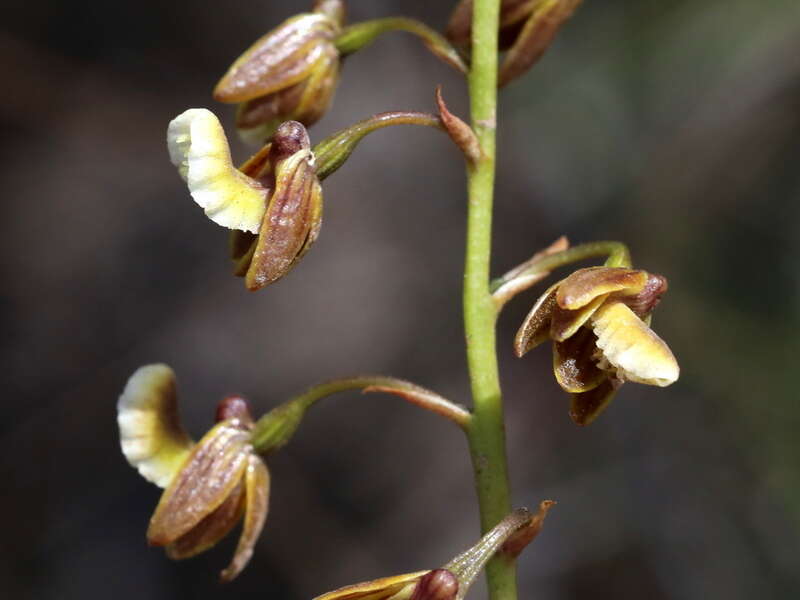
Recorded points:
(377, 589)
(152, 437)
(565, 323)
(199, 149)
(632, 347)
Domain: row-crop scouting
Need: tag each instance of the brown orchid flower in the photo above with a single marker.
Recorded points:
(598, 321)
(210, 485)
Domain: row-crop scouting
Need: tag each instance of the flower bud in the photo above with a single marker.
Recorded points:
(527, 28)
(290, 73)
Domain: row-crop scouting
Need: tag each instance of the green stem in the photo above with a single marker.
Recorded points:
(276, 428)
(487, 431)
(333, 151)
(355, 37)
(529, 273)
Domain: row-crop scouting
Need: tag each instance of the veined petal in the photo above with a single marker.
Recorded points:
(632, 347)
(255, 515)
(586, 407)
(378, 589)
(211, 529)
(281, 58)
(152, 437)
(565, 323)
(584, 285)
(535, 328)
(199, 149)
(207, 478)
(574, 365)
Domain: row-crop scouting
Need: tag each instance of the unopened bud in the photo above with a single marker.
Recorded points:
(291, 73)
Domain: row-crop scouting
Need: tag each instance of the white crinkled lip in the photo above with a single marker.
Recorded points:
(199, 149)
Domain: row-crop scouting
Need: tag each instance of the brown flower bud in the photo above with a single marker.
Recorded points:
(527, 28)
(291, 73)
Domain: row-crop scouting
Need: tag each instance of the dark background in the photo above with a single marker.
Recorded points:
(671, 126)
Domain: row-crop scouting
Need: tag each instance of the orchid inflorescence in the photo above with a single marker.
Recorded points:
(597, 318)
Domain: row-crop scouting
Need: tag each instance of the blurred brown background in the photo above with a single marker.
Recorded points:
(672, 126)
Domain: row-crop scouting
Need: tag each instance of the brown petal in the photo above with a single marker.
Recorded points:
(535, 328)
(565, 322)
(281, 58)
(585, 285)
(212, 529)
(255, 515)
(573, 363)
(207, 478)
(586, 407)
(536, 36)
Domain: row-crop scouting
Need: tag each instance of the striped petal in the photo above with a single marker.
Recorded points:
(151, 435)
(632, 348)
(199, 149)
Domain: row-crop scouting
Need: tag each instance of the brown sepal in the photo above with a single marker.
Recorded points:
(536, 36)
(207, 478)
(586, 407)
